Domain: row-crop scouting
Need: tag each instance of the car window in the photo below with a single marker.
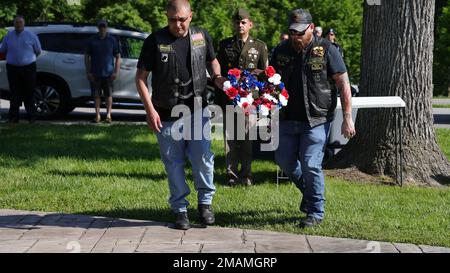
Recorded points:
(131, 47)
(65, 42)
(76, 42)
(51, 41)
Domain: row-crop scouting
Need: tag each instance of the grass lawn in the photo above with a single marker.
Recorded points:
(441, 105)
(115, 171)
(443, 137)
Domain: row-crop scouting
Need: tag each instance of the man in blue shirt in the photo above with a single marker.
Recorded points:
(21, 48)
(101, 68)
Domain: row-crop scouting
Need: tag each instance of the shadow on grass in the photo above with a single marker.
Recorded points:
(30, 221)
(98, 174)
(136, 218)
(238, 218)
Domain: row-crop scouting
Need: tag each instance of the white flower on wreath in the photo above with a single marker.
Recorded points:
(226, 85)
(271, 98)
(244, 100)
(275, 79)
(283, 100)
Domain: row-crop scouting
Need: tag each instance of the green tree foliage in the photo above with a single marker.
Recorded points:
(43, 10)
(270, 17)
(124, 14)
(442, 51)
(7, 10)
(149, 15)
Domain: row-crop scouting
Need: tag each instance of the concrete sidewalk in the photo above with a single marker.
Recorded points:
(31, 232)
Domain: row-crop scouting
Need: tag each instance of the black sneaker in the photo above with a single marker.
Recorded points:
(310, 221)
(182, 221)
(206, 214)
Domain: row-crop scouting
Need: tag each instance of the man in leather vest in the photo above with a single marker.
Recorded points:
(244, 52)
(178, 57)
(307, 63)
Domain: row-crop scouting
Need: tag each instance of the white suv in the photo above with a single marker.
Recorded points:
(61, 76)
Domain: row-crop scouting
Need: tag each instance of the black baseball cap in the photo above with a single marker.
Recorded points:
(331, 31)
(299, 20)
(241, 14)
(102, 22)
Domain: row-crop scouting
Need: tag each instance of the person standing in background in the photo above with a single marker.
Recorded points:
(101, 69)
(21, 48)
(244, 52)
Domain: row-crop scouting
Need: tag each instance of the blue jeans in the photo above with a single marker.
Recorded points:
(300, 155)
(173, 154)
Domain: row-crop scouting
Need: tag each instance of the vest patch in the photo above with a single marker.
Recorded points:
(283, 60)
(317, 63)
(164, 57)
(165, 48)
(198, 39)
(318, 51)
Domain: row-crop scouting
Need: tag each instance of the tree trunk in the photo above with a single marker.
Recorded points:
(397, 60)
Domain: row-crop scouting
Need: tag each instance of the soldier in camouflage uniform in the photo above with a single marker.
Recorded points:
(244, 52)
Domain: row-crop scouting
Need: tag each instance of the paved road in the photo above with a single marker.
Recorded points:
(442, 117)
(85, 115)
(441, 101)
(31, 232)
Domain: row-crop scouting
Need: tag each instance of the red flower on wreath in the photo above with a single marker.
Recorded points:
(235, 72)
(285, 93)
(232, 92)
(270, 71)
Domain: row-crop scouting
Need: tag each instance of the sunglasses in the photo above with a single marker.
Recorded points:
(178, 19)
(298, 33)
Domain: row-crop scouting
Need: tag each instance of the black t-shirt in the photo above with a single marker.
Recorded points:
(296, 110)
(148, 61)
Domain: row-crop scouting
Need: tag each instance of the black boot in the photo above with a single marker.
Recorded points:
(182, 221)
(310, 221)
(206, 214)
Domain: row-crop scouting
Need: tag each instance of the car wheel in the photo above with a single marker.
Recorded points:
(49, 100)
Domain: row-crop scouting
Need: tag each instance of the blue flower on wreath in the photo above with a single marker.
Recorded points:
(233, 80)
(260, 85)
(236, 100)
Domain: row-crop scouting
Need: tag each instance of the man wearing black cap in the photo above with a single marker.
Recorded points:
(101, 69)
(331, 36)
(244, 52)
(306, 62)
